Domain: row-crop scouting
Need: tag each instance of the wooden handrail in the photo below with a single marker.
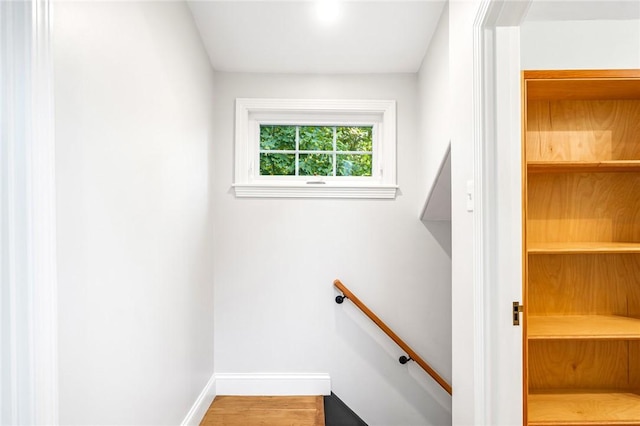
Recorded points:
(384, 327)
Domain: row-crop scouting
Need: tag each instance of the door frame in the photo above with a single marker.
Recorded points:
(498, 207)
(28, 342)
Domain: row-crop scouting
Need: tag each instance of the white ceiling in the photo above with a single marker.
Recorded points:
(369, 36)
(287, 36)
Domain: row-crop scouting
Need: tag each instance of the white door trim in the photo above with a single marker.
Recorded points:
(496, 120)
(44, 217)
(28, 356)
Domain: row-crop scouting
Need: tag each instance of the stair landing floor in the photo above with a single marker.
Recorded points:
(265, 411)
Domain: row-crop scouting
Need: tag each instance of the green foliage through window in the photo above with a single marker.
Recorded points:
(278, 137)
(316, 150)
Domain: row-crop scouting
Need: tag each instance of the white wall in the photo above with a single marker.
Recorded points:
(580, 44)
(434, 120)
(465, 322)
(133, 133)
(275, 261)
(434, 135)
(434, 100)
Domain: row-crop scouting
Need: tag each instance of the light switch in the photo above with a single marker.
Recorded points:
(470, 195)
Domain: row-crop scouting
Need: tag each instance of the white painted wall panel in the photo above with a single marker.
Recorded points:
(133, 128)
(275, 261)
(580, 44)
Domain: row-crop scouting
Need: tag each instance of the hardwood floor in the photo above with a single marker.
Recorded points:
(265, 411)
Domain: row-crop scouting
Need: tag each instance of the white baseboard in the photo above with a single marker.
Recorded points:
(273, 384)
(202, 404)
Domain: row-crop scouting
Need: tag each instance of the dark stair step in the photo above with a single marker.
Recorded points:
(336, 413)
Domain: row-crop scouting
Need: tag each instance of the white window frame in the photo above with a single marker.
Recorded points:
(251, 113)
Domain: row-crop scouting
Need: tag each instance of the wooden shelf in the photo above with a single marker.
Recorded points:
(606, 327)
(583, 408)
(603, 247)
(583, 166)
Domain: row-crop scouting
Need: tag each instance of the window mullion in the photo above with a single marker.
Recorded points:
(335, 148)
(297, 150)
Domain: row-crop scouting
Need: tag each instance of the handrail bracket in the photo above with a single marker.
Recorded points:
(340, 299)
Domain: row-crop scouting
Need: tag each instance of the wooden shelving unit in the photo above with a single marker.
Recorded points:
(582, 247)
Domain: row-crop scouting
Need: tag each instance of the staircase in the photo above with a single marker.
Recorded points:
(307, 410)
(336, 413)
(279, 411)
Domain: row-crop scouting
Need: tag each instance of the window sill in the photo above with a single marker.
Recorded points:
(304, 190)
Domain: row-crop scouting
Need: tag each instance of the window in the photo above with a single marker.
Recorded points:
(315, 148)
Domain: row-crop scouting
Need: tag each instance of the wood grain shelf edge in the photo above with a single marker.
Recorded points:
(602, 327)
(583, 166)
(583, 248)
